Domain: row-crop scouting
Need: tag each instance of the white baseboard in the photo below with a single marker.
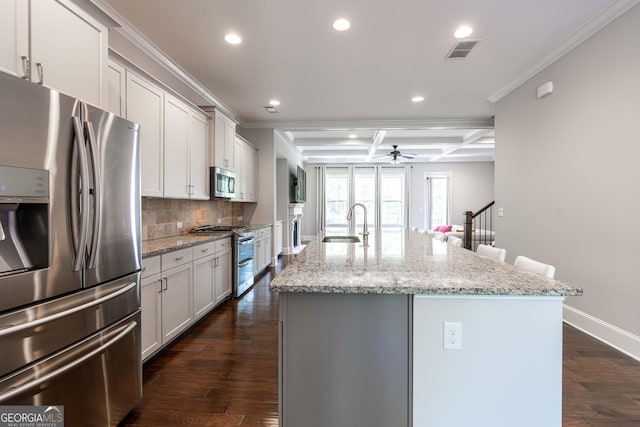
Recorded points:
(609, 334)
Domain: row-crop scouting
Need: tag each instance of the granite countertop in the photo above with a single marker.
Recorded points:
(163, 245)
(404, 262)
(254, 227)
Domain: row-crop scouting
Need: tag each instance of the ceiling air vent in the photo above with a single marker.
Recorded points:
(271, 109)
(461, 49)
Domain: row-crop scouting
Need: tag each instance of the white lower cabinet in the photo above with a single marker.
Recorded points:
(177, 293)
(180, 287)
(222, 282)
(211, 275)
(203, 285)
(151, 302)
(262, 249)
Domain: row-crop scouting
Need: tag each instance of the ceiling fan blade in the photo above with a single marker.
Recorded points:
(380, 156)
(407, 155)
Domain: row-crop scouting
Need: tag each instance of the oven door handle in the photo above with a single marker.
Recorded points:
(244, 264)
(14, 391)
(17, 328)
(245, 242)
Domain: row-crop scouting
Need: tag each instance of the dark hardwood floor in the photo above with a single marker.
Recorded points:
(224, 372)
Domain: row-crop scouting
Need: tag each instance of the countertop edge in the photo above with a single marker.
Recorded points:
(165, 245)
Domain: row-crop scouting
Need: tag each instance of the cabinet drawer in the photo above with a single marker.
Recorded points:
(203, 250)
(222, 245)
(150, 266)
(176, 258)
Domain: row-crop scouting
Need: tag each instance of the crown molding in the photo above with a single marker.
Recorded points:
(472, 123)
(591, 27)
(138, 39)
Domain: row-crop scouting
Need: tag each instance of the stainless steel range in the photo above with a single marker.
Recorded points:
(243, 255)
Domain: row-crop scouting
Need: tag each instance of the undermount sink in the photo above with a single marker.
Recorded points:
(343, 239)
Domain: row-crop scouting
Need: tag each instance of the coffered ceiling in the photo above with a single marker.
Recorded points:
(334, 84)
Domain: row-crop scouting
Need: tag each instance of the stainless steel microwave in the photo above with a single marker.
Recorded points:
(222, 183)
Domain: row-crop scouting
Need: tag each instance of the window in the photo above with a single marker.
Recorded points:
(437, 199)
(337, 197)
(365, 192)
(392, 211)
(380, 189)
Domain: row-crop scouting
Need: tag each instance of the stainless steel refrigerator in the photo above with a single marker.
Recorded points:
(69, 255)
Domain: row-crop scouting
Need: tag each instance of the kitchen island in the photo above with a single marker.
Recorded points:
(363, 330)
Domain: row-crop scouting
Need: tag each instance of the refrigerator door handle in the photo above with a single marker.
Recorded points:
(97, 196)
(37, 322)
(81, 244)
(14, 391)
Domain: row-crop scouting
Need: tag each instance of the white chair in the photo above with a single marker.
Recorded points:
(528, 264)
(414, 228)
(454, 241)
(491, 252)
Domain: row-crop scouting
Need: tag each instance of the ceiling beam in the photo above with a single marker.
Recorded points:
(378, 137)
(474, 136)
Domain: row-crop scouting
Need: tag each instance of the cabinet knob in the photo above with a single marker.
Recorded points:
(180, 258)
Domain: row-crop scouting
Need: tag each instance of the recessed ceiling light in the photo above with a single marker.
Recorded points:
(462, 32)
(233, 38)
(341, 24)
(274, 102)
(417, 98)
(353, 136)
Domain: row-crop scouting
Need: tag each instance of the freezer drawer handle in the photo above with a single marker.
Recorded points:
(56, 316)
(14, 391)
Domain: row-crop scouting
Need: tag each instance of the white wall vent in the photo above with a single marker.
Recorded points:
(271, 109)
(461, 49)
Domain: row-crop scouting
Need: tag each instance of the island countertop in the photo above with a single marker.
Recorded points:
(398, 261)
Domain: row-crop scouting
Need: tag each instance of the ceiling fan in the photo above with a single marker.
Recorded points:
(395, 155)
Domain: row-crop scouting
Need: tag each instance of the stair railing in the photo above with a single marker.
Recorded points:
(478, 227)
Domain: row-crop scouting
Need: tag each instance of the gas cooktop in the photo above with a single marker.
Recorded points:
(214, 228)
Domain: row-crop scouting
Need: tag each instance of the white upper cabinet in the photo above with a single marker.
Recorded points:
(176, 149)
(116, 89)
(185, 151)
(145, 106)
(221, 144)
(246, 162)
(14, 36)
(57, 44)
(198, 165)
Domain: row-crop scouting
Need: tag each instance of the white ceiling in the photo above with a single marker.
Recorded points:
(333, 84)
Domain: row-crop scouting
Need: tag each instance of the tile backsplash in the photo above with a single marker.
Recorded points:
(161, 216)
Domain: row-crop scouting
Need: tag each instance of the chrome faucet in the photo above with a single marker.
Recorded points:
(365, 230)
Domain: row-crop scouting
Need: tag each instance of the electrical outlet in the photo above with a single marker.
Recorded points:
(452, 337)
(179, 225)
(500, 211)
(219, 220)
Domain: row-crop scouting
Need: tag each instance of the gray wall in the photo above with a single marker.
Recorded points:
(471, 188)
(567, 173)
